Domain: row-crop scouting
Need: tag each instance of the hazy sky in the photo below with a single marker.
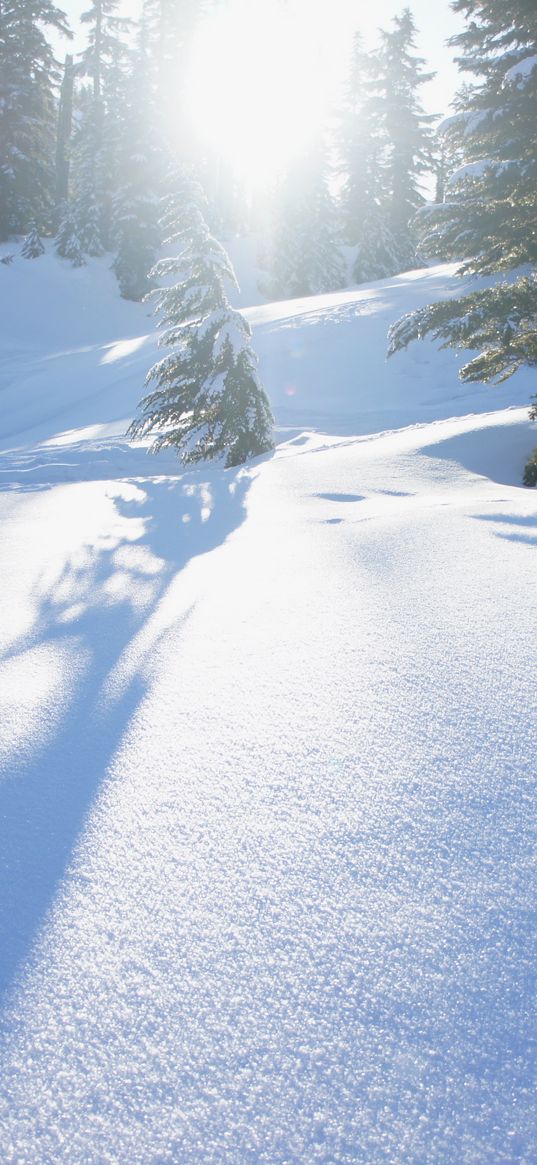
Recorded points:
(434, 20)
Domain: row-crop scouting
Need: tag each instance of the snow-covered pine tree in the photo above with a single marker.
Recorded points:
(28, 77)
(305, 254)
(489, 221)
(67, 242)
(33, 246)
(208, 402)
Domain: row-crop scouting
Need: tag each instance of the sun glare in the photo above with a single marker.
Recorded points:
(258, 86)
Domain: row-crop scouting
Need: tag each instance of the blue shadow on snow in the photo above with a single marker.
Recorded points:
(46, 796)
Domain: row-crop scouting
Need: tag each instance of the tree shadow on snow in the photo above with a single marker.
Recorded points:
(106, 600)
(524, 525)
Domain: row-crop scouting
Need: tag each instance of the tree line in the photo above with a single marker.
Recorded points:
(88, 151)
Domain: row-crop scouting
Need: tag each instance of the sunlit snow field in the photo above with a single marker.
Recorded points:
(268, 750)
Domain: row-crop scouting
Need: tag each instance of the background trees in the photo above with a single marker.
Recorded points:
(305, 256)
(121, 119)
(28, 76)
(385, 149)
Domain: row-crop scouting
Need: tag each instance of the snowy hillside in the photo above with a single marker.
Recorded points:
(268, 750)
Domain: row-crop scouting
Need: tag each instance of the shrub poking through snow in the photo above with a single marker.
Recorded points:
(530, 471)
(207, 400)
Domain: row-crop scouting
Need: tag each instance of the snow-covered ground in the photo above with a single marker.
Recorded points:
(268, 750)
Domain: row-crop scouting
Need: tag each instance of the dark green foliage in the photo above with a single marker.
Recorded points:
(208, 402)
(499, 322)
(489, 217)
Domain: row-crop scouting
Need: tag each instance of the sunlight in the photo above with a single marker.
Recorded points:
(258, 86)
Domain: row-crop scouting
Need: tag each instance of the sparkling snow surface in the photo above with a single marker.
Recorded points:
(268, 755)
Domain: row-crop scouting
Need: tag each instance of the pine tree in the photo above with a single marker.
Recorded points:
(96, 144)
(306, 259)
(407, 126)
(208, 402)
(67, 242)
(33, 246)
(489, 221)
(384, 149)
(361, 145)
(63, 135)
(378, 254)
(141, 159)
(88, 178)
(27, 114)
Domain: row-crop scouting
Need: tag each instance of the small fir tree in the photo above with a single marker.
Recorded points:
(208, 402)
(33, 246)
(67, 242)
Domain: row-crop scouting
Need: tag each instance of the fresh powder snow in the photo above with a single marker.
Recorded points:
(268, 749)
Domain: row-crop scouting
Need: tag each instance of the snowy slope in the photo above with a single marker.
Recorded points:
(268, 751)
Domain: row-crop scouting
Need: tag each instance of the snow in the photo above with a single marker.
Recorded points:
(268, 750)
(470, 120)
(478, 169)
(519, 73)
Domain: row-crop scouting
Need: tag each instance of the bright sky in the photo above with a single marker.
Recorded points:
(266, 69)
